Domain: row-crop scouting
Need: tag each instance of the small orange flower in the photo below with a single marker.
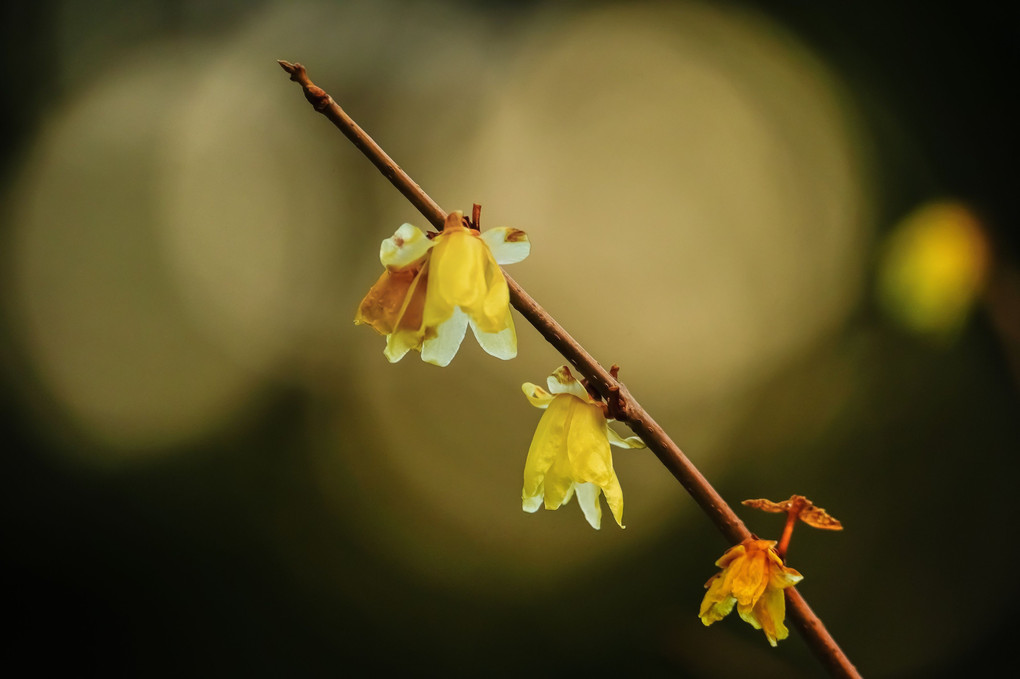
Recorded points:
(753, 577)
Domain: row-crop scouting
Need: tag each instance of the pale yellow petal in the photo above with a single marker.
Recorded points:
(531, 503)
(783, 577)
(440, 348)
(566, 496)
(614, 498)
(617, 440)
(717, 603)
(399, 343)
(588, 498)
(508, 246)
(539, 397)
(562, 381)
(770, 612)
(502, 344)
(405, 247)
(746, 613)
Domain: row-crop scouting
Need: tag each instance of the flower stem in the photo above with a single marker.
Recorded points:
(711, 503)
(784, 542)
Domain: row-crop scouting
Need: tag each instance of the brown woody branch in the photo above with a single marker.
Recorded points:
(607, 385)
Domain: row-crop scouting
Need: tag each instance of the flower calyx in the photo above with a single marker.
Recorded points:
(614, 407)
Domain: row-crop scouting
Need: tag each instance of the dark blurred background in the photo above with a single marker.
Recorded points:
(791, 223)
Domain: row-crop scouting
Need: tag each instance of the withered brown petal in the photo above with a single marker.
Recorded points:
(819, 518)
(767, 505)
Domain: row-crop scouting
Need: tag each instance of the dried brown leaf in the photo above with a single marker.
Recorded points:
(805, 509)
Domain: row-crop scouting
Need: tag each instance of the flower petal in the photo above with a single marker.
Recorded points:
(502, 344)
(562, 381)
(770, 612)
(549, 442)
(491, 315)
(539, 397)
(746, 613)
(750, 577)
(401, 342)
(783, 577)
(767, 615)
(531, 504)
(588, 498)
(566, 496)
(620, 442)
(587, 446)
(508, 246)
(410, 314)
(405, 247)
(440, 348)
(560, 477)
(457, 278)
(614, 498)
(717, 603)
(384, 301)
(731, 555)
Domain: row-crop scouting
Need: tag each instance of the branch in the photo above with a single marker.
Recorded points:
(608, 386)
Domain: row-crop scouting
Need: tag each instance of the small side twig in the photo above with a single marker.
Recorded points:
(603, 381)
(476, 217)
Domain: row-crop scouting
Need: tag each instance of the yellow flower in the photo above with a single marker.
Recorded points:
(570, 451)
(753, 577)
(433, 289)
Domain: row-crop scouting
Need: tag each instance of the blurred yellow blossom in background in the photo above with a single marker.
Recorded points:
(933, 268)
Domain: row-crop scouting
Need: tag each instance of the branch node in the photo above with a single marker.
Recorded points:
(617, 406)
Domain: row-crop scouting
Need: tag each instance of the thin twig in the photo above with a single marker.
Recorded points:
(608, 386)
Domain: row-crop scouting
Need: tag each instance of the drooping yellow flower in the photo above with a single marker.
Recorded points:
(753, 577)
(570, 451)
(433, 289)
